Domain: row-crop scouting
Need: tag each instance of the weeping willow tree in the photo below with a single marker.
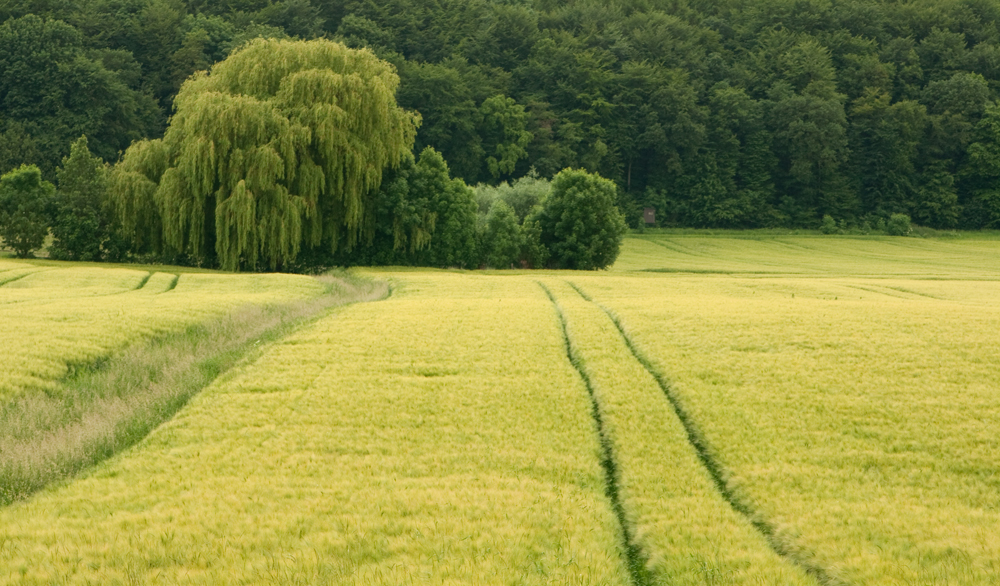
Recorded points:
(281, 146)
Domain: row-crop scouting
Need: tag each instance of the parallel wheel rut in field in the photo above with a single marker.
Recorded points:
(173, 284)
(17, 278)
(635, 558)
(713, 466)
(144, 280)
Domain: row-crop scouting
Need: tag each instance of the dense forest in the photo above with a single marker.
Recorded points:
(728, 113)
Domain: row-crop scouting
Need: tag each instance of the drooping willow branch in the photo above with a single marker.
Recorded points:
(279, 147)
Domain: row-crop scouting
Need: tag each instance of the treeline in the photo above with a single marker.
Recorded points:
(722, 113)
(294, 155)
(419, 216)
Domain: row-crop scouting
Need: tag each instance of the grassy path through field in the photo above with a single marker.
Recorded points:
(436, 437)
(102, 409)
(683, 529)
(56, 316)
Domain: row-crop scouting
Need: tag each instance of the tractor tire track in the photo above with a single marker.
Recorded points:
(635, 559)
(172, 285)
(715, 469)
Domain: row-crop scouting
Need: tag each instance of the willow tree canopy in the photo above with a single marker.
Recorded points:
(280, 146)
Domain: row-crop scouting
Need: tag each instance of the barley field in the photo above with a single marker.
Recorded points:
(56, 315)
(717, 410)
(848, 390)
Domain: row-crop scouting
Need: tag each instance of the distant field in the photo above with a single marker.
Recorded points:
(714, 410)
(867, 256)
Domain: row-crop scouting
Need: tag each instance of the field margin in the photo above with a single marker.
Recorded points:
(111, 404)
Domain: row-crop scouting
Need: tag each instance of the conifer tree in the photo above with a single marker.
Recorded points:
(279, 147)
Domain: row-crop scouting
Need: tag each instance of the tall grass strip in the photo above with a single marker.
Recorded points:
(63, 316)
(673, 510)
(706, 456)
(110, 405)
(635, 557)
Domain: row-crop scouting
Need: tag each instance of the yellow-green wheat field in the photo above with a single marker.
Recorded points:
(55, 314)
(713, 410)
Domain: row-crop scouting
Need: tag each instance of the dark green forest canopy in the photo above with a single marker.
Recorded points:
(722, 113)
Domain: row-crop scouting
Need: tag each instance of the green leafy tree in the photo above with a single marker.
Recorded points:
(982, 172)
(884, 139)
(658, 136)
(522, 195)
(580, 224)
(937, 198)
(810, 135)
(828, 225)
(506, 35)
(555, 141)
(898, 225)
(423, 217)
(150, 31)
(25, 208)
(453, 203)
(743, 162)
(501, 237)
(298, 18)
(420, 30)
(192, 56)
(963, 94)
(533, 252)
(411, 217)
(18, 144)
(81, 227)
(941, 52)
(52, 91)
(712, 194)
(504, 136)
(576, 82)
(446, 100)
(281, 147)
(402, 225)
(757, 165)
(358, 31)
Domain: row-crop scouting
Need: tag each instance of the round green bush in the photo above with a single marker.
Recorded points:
(580, 224)
(898, 225)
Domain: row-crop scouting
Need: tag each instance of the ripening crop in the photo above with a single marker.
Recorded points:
(437, 437)
(686, 533)
(820, 257)
(55, 316)
(851, 397)
(729, 411)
